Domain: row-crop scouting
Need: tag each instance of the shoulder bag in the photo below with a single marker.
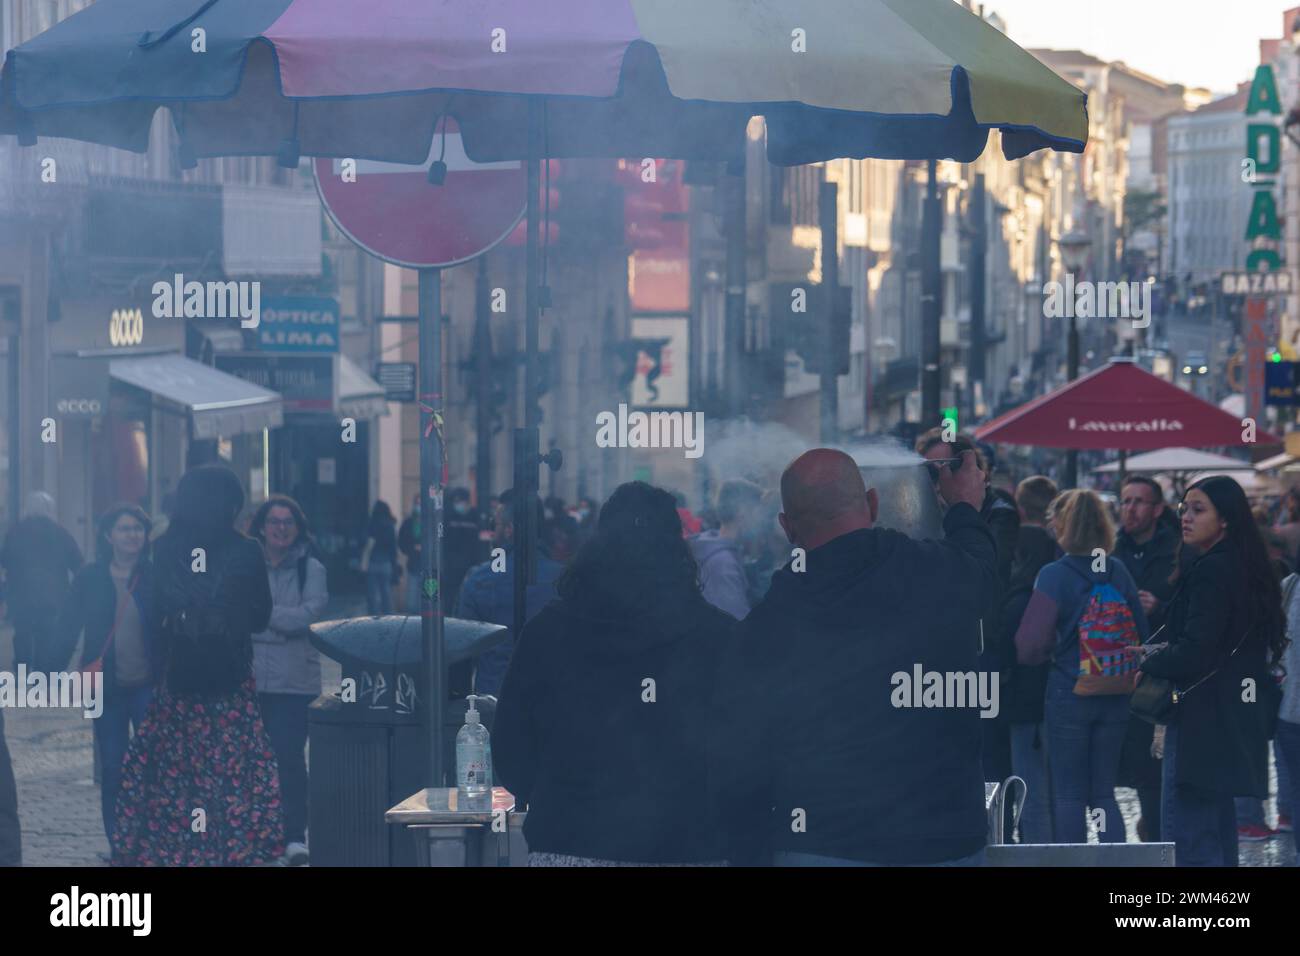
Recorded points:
(1156, 699)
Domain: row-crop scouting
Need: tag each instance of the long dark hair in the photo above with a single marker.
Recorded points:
(208, 499)
(257, 527)
(1262, 592)
(381, 512)
(637, 564)
(108, 520)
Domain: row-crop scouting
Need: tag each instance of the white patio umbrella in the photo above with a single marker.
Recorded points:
(1177, 459)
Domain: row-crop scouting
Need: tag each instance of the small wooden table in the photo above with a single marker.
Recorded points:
(448, 832)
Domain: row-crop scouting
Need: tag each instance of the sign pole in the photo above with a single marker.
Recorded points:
(527, 439)
(433, 478)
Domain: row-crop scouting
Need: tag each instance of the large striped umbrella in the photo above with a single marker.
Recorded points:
(529, 79)
(670, 78)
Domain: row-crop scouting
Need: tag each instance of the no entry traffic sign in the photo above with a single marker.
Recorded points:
(393, 212)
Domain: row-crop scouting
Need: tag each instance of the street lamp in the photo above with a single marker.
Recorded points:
(1074, 247)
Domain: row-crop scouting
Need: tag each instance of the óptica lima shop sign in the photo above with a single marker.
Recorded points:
(299, 323)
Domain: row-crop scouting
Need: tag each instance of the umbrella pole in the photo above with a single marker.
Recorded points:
(432, 479)
(1123, 468)
(527, 440)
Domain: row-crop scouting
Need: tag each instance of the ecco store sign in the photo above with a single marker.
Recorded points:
(78, 386)
(79, 406)
(126, 327)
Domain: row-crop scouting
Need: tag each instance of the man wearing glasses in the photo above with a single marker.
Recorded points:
(1147, 545)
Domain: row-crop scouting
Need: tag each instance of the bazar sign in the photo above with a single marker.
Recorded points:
(1256, 283)
(299, 324)
(1152, 425)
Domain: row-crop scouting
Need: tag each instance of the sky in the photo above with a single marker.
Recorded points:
(1211, 43)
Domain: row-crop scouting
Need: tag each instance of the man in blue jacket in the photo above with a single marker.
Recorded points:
(830, 756)
(488, 593)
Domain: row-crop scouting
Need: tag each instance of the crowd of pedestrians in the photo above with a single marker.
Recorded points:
(720, 687)
(801, 764)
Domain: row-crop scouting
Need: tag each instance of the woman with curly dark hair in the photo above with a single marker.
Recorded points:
(1224, 632)
(604, 718)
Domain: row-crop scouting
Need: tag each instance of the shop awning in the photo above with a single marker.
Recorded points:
(1282, 462)
(360, 396)
(218, 404)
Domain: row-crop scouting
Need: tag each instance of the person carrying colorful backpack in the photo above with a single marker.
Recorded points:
(1082, 616)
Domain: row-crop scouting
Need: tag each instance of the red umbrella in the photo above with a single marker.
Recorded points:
(1119, 406)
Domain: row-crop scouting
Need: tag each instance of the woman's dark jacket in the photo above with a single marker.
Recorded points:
(235, 597)
(92, 608)
(607, 773)
(1222, 740)
(384, 531)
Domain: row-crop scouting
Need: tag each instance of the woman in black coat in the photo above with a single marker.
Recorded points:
(604, 726)
(199, 784)
(1225, 629)
(110, 605)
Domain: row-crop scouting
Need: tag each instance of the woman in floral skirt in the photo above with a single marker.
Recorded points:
(199, 783)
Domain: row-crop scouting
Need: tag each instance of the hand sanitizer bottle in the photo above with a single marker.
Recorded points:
(474, 758)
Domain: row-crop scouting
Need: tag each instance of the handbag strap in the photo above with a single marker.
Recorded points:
(117, 618)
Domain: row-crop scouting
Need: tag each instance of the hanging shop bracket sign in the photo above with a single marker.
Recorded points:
(398, 380)
(1263, 228)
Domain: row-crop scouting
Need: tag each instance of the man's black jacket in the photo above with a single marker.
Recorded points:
(823, 761)
(1152, 565)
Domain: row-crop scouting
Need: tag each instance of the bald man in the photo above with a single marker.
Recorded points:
(828, 761)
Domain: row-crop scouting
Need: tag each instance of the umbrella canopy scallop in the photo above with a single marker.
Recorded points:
(904, 79)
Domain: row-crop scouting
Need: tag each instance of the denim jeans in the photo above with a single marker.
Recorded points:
(1202, 825)
(1084, 736)
(1029, 763)
(1286, 747)
(285, 719)
(124, 711)
(379, 587)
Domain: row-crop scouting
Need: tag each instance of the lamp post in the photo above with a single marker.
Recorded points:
(1074, 246)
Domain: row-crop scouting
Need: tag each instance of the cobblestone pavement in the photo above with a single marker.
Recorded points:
(59, 800)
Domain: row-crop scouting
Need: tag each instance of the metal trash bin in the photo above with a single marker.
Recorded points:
(367, 753)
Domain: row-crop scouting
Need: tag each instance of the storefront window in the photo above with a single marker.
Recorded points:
(120, 447)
